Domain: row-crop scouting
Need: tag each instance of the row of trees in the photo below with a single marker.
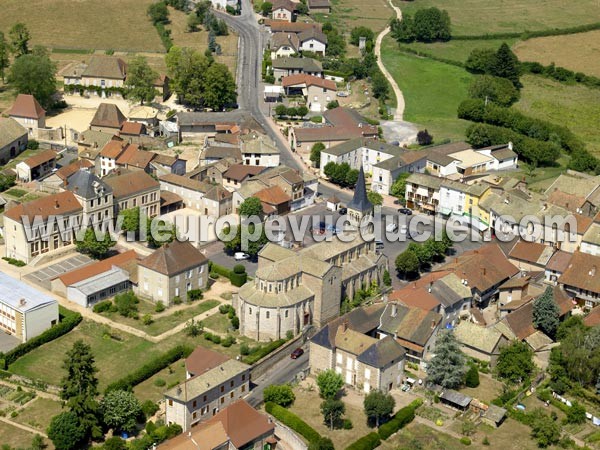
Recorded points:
(428, 25)
(502, 63)
(420, 255)
(284, 111)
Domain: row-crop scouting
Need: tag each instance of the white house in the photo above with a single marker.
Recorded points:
(284, 44)
(259, 150)
(452, 198)
(313, 40)
(283, 10)
(318, 91)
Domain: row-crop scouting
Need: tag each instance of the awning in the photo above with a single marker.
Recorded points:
(445, 211)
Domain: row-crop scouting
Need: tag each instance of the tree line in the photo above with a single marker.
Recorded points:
(427, 25)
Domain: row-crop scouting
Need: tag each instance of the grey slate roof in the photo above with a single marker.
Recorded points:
(10, 130)
(456, 398)
(360, 201)
(384, 352)
(306, 64)
(84, 184)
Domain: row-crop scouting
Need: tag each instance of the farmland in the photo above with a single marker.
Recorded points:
(578, 52)
(432, 91)
(476, 17)
(91, 24)
(456, 50)
(348, 14)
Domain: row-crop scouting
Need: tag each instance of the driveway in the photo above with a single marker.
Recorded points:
(43, 276)
(8, 342)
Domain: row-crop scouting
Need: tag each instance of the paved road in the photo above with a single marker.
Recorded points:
(250, 88)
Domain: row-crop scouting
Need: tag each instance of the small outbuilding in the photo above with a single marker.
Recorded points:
(494, 416)
(333, 203)
(455, 399)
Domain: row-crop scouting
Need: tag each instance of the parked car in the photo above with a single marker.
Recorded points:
(405, 387)
(240, 256)
(391, 227)
(397, 202)
(343, 211)
(405, 211)
(403, 229)
(297, 353)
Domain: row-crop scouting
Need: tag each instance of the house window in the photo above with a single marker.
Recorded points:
(205, 398)
(170, 402)
(268, 315)
(222, 388)
(194, 404)
(244, 377)
(231, 394)
(287, 313)
(231, 383)
(244, 388)
(194, 415)
(222, 400)
(338, 358)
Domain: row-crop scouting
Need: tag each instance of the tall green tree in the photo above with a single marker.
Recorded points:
(35, 75)
(546, 313)
(506, 65)
(315, 153)
(79, 387)
(332, 411)
(398, 188)
(4, 56)
(515, 362)
(472, 377)
(19, 39)
(219, 87)
(251, 207)
(280, 394)
(407, 263)
(96, 247)
(375, 198)
(404, 30)
(432, 24)
(66, 431)
(494, 89)
(543, 429)
(329, 383)
(158, 13)
(481, 61)
(131, 219)
(358, 32)
(140, 80)
(159, 232)
(447, 367)
(266, 8)
(378, 406)
(186, 68)
(121, 411)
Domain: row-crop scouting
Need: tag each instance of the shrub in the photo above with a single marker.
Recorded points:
(147, 319)
(159, 382)
(472, 377)
(485, 441)
(149, 408)
(238, 279)
(465, 441)
(177, 300)
(14, 262)
(69, 320)
(260, 352)
(239, 268)
(293, 421)
(402, 418)
(228, 341)
(194, 294)
(347, 424)
(235, 322)
(150, 368)
(281, 395)
(244, 349)
(224, 309)
(103, 306)
(126, 304)
(367, 442)
(160, 307)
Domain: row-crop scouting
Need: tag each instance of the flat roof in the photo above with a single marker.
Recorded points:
(21, 296)
(101, 281)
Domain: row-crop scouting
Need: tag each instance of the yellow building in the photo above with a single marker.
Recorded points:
(474, 194)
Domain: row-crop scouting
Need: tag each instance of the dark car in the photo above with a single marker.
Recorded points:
(343, 211)
(397, 202)
(405, 211)
(297, 353)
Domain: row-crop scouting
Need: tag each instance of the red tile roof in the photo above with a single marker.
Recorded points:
(593, 318)
(66, 171)
(26, 106)
(132, 128)
(40, 158)
(582, 272)
(63, 203)
(273, 195)
(239, 172)
(113, 149)
(91, 270)
(308, 80)
(415, 297)
(202, 360)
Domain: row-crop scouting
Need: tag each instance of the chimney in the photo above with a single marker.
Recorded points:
(593, 271)
(56, 205)
(483, 271)
(345, 325)
(415, 285)
(510, 145)
(394, 309)
(433, 324)
(430, 286)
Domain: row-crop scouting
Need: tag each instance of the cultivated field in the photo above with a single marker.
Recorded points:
(38, 413)
(579, 52)
(347, 14)
(456, 50)
(575, 107)
(88, 24)
(474, 17)
(16, 437)
(432, 91)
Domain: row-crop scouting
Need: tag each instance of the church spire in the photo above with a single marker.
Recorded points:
(360, 202)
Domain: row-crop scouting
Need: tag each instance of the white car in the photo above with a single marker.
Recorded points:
(391, 227)
(240, 256)
(403, 229)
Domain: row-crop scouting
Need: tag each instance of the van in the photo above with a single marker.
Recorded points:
(378, 245)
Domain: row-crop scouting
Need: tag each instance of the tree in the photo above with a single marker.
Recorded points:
(407, 262)
(251, 207)
(424, 138)
(378, 406)
(266, 8)
(332, 411)
(472, 377)
(515, 362)
(6, 181)
(114, 443)
(431, 24)
(302, 111)
(546, 313)
(140, 80)
(302, 8)
(375, 198)
(292, 111)
(219, 87)
(131, 220)
(281, 394)
(158, 13)
(159, 232)
(66, 431)
(333, 104)
(37, 443)
(545, 430)
(506, 65)
(4, 57)
(315, 153)
(398, 188)
(193, 328)
(576, 413)
(329, 383)
(19, 39)
(126, 304)
(404, 30)
(380, 85)
(35, 75)
(121, 411)
(480, 61)
(494, 89)
(358, 32)
(187, 68)
(193, 21)
(387, 279)
(281, 109)
(95, 247)
(447, 367)
(321, 444)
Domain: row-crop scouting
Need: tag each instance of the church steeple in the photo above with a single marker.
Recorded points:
(360, 202)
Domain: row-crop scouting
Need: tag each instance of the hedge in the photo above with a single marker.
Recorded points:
(560, 74)
(477, 111)
(402, 418)
(260, 352)
(530, 34)
(236, 279)
(367, 442)
(150, 368)
(70, 320)
(293, 421)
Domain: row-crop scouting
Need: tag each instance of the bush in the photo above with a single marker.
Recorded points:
(160, 307)
(224, 309)
(149, 408)
(228, 341)
(235, 322)
(69, 320)
(147, 319)
(367, 442)
(103, 306)
(159, 382)
(465, 441)
(177, 299)
(281, 395)
(244, 349)
(238, 279)
(472, 377)
(14, 261)
(402, 418)
(293, 421)
(33, 144)
(485, 441)
(194, 294)
(238, 268)
(347, 424)
(126, 304)
(260, 352)
(150, 368)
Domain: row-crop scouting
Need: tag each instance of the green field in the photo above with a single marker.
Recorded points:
(148, 390)
(18, 438)
(576, 107)
(476, 17)
(217, 322)
(432, 91)
(38, 413)
(457, 50)
(116, 353)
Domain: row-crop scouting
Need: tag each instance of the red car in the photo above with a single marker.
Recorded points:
(297, 353)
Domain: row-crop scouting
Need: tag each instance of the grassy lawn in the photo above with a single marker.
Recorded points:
(487, 390)
(457, 50)
(348, 14)
(575, 107)
(475, 17)
(306, 406)
(39, 413)
(217, 322)
(432, 91)
(18, 438)
(421, 436)
(90, 24)
(172, 376)
(165, 322)
(579, 52)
